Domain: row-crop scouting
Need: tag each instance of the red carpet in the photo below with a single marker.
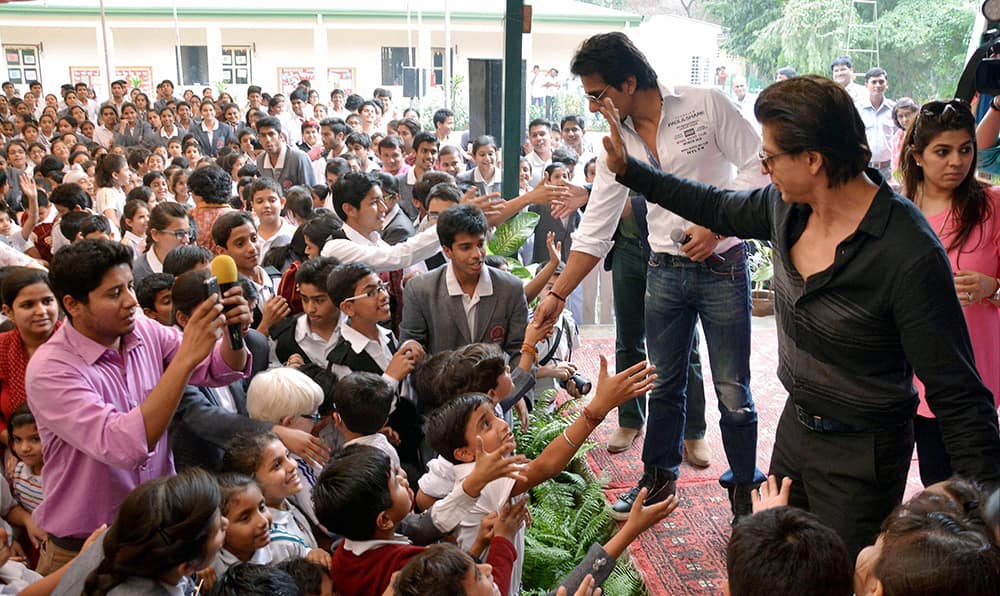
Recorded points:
(686, 553)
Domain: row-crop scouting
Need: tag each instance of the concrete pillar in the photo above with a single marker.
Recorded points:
(213, 41)
(320, 83)
(107, 63)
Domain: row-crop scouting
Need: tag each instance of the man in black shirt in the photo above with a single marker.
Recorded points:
(864, 297)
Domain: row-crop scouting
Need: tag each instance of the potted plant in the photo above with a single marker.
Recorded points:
(760, 260)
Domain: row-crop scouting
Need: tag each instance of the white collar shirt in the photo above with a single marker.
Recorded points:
(360, 547)
(701, 136)
(312, 343)
(470, 303)
(879, 128)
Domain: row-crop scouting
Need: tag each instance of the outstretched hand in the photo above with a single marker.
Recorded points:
(614, 144)
(613, 390)
(768, 496)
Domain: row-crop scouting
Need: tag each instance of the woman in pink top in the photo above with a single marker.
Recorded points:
(903, 113)
(938, 164)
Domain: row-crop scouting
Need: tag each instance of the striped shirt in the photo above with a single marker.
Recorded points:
(27, 487)
(851, 337)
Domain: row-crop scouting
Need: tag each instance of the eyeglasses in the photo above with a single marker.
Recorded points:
(597, 99)
(313, 417)
(180, 234)
(766, 160)
(381, 287)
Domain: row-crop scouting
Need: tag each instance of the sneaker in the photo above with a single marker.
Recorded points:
(622, 439)
(740, 502)
(660, 487)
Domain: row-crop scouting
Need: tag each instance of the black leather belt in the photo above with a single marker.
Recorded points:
(823, 424)
(67, 543)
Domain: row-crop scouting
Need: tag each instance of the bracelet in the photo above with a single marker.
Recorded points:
(591, 418)
(561, 299)
(568, 440)
(530, 349)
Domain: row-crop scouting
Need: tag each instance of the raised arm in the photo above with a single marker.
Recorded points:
(746, 214)
(612, 391)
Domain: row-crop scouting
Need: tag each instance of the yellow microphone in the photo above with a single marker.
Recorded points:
(225, 272)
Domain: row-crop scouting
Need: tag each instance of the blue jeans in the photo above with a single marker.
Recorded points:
(628, 270)
(678, 291)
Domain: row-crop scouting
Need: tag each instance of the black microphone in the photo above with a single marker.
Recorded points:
(224, 269)
(681, 237)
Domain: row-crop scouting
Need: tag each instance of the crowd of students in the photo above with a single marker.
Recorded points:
(376, 346)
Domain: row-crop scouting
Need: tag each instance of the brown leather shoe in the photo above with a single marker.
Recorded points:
(697, 453)
(622, 439)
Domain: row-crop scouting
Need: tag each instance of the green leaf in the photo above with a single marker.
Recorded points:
(518, 269)
(513, 233)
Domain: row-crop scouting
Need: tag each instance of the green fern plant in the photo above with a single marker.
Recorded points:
(568, 512)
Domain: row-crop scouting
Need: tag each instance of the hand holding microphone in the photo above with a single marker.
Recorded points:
(697, 243)
(236, 311)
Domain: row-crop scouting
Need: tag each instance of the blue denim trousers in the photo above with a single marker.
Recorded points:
(678, 292)
(628, 270)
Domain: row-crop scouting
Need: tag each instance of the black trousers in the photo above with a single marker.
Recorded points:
(851, 481)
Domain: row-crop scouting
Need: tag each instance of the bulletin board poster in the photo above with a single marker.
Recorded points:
(92, 76)
(289, 77)
(341, 77)
(137, 76)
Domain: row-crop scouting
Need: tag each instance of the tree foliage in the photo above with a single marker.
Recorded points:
(922, 44)
(744, 21)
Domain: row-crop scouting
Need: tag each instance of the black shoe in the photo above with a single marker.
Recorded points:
(660, 487)
(740, 502)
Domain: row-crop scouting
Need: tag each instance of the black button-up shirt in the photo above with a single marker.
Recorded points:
(850, 337)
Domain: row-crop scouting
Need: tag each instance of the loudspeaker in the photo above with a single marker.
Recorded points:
(486, 98)
(414, 81)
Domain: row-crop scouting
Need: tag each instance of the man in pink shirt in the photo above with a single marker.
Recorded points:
(104, 388)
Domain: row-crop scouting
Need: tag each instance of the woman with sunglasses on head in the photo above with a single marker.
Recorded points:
(939, 175)
(168, 227)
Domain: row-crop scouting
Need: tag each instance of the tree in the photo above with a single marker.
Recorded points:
(807, 35)
(744, 21)
(922, 44)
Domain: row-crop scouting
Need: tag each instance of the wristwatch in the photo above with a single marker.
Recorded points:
(996, 295)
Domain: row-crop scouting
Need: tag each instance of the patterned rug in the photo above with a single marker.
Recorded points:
(686, 553)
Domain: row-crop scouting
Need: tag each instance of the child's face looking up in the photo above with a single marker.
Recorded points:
(277, 474)
(483, 424)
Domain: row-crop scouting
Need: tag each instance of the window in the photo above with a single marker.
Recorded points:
(236, 65)
(22, 64)
(394, 59)
(194, 65)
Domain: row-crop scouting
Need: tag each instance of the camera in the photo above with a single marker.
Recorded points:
(583, 385)
(982, 71)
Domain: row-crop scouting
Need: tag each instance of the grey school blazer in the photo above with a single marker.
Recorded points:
(438, 320)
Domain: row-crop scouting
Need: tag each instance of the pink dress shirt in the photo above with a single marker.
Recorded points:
(85, 398)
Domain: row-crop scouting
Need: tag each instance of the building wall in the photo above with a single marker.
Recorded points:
(72, 41)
